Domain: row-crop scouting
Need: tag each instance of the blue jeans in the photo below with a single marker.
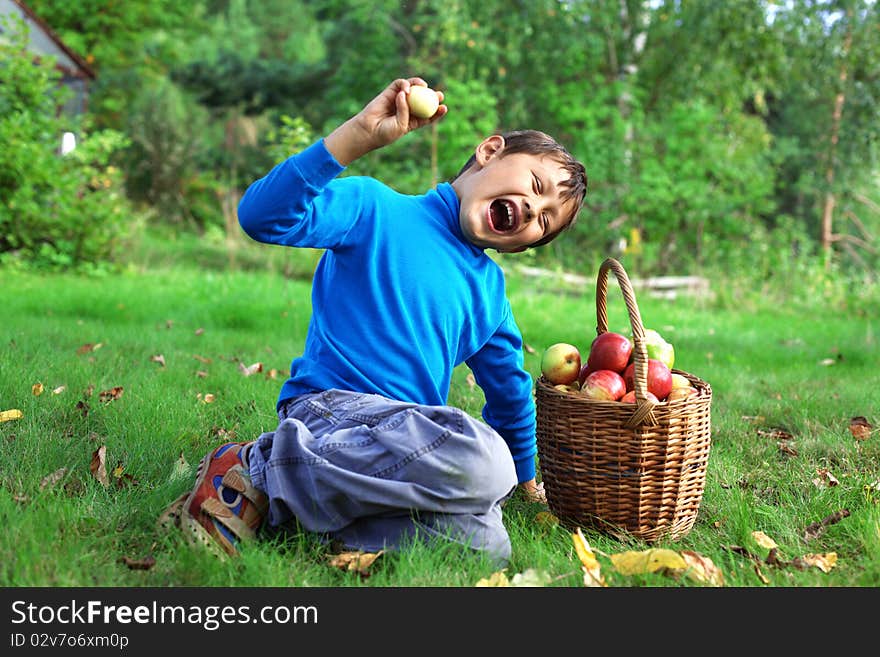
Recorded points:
(374, 473)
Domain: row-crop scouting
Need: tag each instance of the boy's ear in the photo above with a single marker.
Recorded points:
(489, 148)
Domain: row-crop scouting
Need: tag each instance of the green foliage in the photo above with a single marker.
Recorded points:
(164, 151)
(55, 211)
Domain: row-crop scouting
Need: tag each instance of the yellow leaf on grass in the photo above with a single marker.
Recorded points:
(37, 389)
(589, 563)
(358, 561)
(763, 540)
(702, 569)
(647, 561)
(496, 579)
(11, 414)
(824, 562)
(531, 577)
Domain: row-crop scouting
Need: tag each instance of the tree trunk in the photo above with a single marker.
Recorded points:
(827, 236)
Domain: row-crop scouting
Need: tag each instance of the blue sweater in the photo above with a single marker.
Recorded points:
(399, 297)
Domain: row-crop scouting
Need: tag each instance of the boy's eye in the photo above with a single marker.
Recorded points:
(537, 182)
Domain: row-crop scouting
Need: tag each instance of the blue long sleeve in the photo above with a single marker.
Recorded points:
(399, 298)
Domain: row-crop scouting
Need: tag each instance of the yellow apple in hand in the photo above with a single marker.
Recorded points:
(423, 101)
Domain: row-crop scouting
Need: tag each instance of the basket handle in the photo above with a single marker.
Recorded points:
(644, 412)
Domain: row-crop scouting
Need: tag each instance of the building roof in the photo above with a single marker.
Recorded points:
(50, 43)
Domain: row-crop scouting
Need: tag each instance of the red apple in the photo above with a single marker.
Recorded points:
(630, 397)
(585, 371)
(603, 385)
(610, 351)
(659, 378)
(561, 363)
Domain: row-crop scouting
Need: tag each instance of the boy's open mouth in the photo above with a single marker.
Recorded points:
(502, 216)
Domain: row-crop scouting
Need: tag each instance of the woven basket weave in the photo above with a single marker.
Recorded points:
(636, 469)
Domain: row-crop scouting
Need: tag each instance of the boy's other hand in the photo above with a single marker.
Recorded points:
(534, 491)
(382, 121)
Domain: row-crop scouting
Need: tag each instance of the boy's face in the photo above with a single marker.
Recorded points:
(511, 202)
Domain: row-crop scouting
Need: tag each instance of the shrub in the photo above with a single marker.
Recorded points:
(57, 211)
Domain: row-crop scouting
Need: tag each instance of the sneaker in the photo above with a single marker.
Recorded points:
(223, 508)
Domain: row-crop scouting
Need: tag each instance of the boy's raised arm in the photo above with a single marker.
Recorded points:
(382, 121)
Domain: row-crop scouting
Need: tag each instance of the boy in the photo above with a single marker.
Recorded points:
(367, 452)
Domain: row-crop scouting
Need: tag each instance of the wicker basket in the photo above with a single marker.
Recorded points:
(624, 469)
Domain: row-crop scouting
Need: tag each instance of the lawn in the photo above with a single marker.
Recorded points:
(141, 373)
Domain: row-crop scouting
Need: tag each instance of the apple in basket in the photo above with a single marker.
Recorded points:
(561, 363)
(656, 346)
(603, 385)
(630, 397)
(659, 378)
(609, 351)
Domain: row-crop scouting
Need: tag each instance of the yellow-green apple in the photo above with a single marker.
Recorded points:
(656, 346)
(561, 363)
(681, 393)
(659, 378)
(680, 381)
(603, 385)
(630, 397)
(610, 351)
(423, 101)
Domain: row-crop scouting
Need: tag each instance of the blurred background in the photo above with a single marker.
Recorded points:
(734, 140)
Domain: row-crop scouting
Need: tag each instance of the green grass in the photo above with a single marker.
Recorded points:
(764, 363)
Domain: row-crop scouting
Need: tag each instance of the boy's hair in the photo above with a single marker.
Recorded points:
(535, 142)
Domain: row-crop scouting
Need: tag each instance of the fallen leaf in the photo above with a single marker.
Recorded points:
(251, 369)
(88, 347)
(816, 529)
(702, 569)
(357, 561)
(108, 396)
(53, 478)
(202, 374)
(139, 564)
(199, 331)
(776, 433)
(761, 575)
(11, 414)
(202, 359)
(531, 577)
(763, 540)
(273, 373)
(181, 468)
(752, 418)
(824, 562)
(589, 563)
(647, 561)
(825, 477)
(207, 398)
(546, 519)
(470, 380)
(158, 358)
(169, 323)
(825, 362)
(59, 390)
(529, 348)
(98, 466)
(496, 579)
(860, 428)
(37, 389)
(786, 449)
